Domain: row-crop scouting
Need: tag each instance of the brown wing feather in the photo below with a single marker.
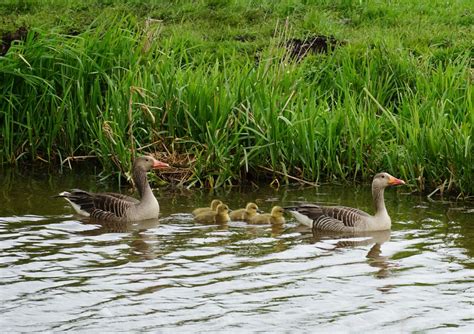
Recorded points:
(333, 218)
(107, 207)
(123, 197)
(102, 206)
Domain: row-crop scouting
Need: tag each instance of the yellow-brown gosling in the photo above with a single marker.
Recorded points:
(220, 216)
(246, 214)
(275, 217)
(213, 207)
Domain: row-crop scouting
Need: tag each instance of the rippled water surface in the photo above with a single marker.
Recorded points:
(59, 273)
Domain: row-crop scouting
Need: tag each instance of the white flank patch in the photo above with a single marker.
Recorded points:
(75, 206)
(302, 219)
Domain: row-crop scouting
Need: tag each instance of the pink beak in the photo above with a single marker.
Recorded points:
(159, 164)
(393, 181)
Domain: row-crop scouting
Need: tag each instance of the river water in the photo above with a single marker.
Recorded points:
(59, 273)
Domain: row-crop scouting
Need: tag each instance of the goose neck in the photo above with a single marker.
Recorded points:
(378, 198)
(141, 182)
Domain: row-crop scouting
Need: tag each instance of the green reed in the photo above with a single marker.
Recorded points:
(109, 92)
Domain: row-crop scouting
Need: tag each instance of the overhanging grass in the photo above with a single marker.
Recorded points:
(349, 114)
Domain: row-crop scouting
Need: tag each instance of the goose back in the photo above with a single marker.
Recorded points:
(101, 206)
(330, 218)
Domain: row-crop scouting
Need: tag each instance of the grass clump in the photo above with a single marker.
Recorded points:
(388, 98)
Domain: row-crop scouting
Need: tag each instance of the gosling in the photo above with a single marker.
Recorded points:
(213, 207)
(220, 216)
(246, 214)
(274, 218)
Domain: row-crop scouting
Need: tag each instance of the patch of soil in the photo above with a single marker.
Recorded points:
(8, 38)
(73, 32)
(244, 38)
(299, 48)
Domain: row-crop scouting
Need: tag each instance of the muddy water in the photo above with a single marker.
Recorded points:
(59, 273)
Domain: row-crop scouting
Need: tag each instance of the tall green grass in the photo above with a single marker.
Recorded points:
(108, 92)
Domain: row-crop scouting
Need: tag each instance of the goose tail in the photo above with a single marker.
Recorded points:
(78, 199)
(300, 217)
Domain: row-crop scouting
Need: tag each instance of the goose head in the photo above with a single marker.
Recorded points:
(384, 180)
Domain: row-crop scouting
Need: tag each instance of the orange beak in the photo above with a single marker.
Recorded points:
(393, 181)
(159, 164)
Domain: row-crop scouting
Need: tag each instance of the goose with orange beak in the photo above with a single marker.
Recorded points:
(345, 219)
(118, 207)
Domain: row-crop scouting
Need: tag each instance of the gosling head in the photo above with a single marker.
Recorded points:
(215, 203)
(251, 207)
(222, 209)
(277, 211)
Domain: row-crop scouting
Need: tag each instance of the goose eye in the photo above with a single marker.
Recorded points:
(383, 176)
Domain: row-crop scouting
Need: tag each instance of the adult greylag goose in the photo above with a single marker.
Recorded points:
(119, 207)
(251, 209)
(220, 216)
(344, 219)
(213, 207)
(275, 217)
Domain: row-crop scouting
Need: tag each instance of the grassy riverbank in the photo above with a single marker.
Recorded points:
(211, 85)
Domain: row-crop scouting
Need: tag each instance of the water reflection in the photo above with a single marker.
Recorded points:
(337, 240)
(58, 273)
(352, 239)
(118, 227)
(141, 243)
(277, 230)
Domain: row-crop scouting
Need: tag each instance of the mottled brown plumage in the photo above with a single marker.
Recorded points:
(118, 207)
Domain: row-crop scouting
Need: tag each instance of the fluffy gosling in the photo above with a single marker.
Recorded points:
(251, 210)
(275, 217)
(220, 216)
(213, 207)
